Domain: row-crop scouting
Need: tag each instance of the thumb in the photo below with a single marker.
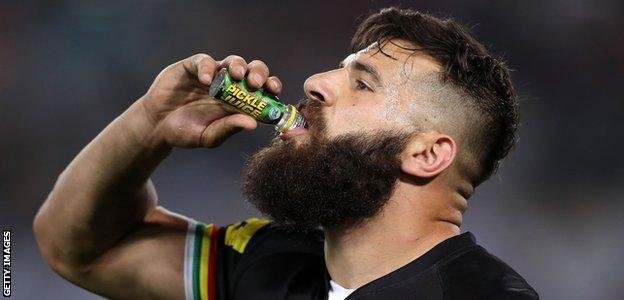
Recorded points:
(218, 131)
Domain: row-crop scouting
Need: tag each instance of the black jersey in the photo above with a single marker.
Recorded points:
(256, 259)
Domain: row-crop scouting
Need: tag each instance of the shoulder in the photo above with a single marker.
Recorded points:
(481, 275)
(255, 239)
(276, 239)
(278, 263)
(247, 257)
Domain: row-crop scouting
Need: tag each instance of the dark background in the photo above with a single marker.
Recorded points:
(553, 212)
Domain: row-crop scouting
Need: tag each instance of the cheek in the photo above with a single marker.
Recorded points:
(398, 104)
(355, 118)
(393, 105)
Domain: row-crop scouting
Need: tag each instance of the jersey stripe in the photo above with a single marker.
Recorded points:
(200, 261)
(188, 259)
(199, 233)
(238, 235)
(212, 266)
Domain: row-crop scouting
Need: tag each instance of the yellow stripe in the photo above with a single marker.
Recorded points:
(237, 236)
(203, 265)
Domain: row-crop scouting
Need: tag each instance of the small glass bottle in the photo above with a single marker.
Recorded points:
(260, 105)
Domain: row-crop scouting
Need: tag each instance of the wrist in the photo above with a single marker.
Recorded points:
(143, 130)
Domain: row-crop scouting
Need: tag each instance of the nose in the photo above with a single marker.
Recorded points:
(323, 87)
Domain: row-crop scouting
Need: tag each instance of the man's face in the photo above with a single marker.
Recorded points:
(370, 91)
(344, 168)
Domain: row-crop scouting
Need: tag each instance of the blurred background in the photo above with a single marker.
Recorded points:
(554, 211)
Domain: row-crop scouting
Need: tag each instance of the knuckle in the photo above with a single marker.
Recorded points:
(259, 64)
(198, 57)
(259, 67)
(236, 59)
(207, 60)
(199, 61)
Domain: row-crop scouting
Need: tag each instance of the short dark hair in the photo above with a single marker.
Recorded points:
(467, 65)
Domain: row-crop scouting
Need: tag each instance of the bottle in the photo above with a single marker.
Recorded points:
(260, 105)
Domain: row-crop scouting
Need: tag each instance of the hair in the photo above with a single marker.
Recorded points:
(489, 101)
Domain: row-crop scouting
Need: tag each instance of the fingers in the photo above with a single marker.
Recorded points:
(273, 85)
(256, 73)
(203, 66)
(217, 132)
(236, 65)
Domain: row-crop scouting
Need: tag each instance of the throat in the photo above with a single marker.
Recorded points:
(360, 255)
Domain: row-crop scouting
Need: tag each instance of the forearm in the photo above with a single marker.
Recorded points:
(104, 193)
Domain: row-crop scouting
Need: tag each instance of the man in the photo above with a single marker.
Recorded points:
(399, 136)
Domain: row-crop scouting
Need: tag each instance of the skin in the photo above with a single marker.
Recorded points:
(105, 231)
(418, 216)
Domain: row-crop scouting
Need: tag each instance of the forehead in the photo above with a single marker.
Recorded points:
(396, 59)
(405, 75)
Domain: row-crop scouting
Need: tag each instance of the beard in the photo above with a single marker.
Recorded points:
(334, 183)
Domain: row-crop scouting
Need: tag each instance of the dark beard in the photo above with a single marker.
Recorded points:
(333, 183)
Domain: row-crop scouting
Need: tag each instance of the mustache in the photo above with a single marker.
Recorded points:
(307, 104)
(312, 112)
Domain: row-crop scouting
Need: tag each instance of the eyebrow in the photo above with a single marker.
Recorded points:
(363, 67)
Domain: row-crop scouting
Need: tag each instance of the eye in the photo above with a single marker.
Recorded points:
(360, 85)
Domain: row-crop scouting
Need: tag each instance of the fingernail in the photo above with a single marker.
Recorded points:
(240, 70)
(255, 78)
(276, 84)
(206, 78)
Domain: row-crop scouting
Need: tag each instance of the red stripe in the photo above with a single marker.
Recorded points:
(212, 262)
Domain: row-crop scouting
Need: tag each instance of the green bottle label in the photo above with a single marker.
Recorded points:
(260, 105)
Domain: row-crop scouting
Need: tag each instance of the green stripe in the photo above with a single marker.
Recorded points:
(199, 233)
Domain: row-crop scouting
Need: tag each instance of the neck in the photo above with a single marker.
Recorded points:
(404, 230)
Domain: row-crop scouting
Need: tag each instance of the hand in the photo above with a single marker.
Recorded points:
(180, 110)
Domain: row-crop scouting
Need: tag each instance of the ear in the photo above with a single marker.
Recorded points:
(428, 154)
